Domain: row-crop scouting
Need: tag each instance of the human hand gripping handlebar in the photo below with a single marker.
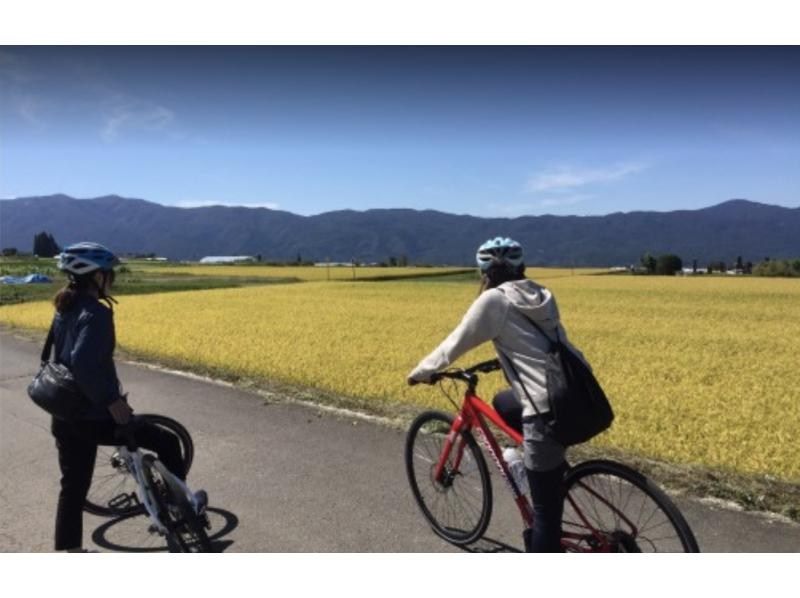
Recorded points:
(126, 433)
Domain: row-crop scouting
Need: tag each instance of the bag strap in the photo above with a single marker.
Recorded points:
(519, 381)
(511, 364)
(539, 328)
(48, 344)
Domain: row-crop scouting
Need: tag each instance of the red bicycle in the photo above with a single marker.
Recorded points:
(608, 507)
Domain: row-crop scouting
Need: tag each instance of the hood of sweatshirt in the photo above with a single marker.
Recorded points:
(534, 301)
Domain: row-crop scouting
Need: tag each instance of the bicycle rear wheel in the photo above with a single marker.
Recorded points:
(186, 530)
(113, 489)
(609, 507)
(459, 506)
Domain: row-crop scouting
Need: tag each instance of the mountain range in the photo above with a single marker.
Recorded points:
(721, 232)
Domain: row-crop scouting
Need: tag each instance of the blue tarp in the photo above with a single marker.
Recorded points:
(29, 279)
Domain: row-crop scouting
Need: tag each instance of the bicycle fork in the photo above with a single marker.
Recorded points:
(144, 490)
(463, 423)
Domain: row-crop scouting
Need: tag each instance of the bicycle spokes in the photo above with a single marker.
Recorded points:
(453, 492)
(607, 513)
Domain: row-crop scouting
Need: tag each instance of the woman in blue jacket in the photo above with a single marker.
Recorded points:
(84, 341)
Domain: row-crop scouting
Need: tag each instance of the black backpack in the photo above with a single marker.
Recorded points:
(579, 409)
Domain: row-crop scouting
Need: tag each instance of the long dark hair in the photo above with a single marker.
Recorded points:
(80, 285)
(497, 275)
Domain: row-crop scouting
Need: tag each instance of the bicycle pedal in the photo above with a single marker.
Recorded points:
(123, 501)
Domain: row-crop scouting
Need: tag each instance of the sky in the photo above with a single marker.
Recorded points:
(488, 131)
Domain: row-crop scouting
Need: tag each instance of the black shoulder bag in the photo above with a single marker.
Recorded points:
(54, 388)
(579, 409)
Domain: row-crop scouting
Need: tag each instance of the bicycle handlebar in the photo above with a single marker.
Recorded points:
(467, 375)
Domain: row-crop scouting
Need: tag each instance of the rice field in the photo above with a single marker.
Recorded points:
(699, 370)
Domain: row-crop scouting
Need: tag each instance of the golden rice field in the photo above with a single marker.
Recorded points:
(700, 370)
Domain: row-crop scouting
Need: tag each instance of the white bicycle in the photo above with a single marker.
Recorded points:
(175, 512)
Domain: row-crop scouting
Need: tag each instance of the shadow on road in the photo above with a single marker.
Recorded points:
(488, 545)
(222, 523)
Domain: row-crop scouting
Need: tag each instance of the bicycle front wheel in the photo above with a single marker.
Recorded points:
(459, 505)
(609, 507)
(113, 489)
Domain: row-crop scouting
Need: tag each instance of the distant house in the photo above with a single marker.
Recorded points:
(691, 271)
(227, 259)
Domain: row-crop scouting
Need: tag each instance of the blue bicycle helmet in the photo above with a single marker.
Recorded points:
(499, 251)
(86, 257)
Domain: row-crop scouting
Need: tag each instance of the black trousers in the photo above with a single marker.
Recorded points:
(77, 448)
(509, 408)
(547, 493)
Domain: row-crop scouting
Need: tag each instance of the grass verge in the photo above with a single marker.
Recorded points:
(138, 283)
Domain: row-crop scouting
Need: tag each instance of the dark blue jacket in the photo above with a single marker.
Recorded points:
(84, 341)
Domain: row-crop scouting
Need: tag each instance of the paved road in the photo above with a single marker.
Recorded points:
(282, 477)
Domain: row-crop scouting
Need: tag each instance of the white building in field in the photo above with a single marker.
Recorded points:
(227, 259)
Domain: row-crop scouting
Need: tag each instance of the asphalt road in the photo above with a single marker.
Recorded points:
(281, 477)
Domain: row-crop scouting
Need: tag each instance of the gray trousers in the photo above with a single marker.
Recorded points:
(542, 453)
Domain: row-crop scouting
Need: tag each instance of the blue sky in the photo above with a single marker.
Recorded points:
(480, 130)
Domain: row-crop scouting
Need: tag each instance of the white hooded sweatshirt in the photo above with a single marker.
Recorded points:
(502, 315)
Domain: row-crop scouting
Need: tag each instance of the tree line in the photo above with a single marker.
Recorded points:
(670, 264)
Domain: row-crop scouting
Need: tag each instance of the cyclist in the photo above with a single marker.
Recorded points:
(84, 342)
(501, 313)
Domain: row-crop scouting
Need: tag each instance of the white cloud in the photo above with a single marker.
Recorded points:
(512, 210)
(28, 108)
(191, 203)
(127, 112)
(91, 94)
(568, 200)
(564, 178)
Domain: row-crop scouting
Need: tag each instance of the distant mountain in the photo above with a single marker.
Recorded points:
(721, 232)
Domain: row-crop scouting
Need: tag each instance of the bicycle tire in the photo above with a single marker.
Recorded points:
(112, 482)
(185, 529)
(607, 494)
(431, 428)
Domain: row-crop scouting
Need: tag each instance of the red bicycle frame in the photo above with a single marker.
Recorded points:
(474, 413)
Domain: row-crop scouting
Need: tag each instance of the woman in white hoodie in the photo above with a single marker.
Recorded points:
(502, 313)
